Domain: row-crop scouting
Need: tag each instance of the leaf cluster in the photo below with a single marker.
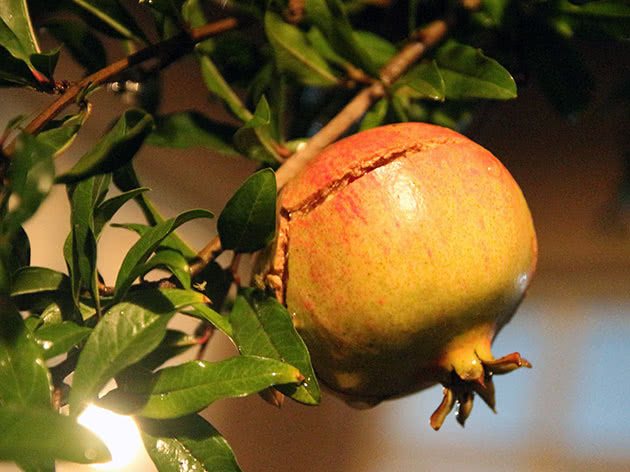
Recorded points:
(281, 75)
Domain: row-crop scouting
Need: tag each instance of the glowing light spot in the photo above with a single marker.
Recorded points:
(118, 432)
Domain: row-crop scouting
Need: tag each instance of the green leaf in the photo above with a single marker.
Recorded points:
(467, 73)
(254, 139)
(31, 176)
(216, 84)
(14, 14)
(263, 327)
(126, 333)
(173, 344)
(248, 221)
(84, 46)
(191, 129)
(33, 279)
(172, 261)
(189, 440)
(112, 14)
(190, 387)
(114, 149)
(422, 81)
(61, 133)
(295, 55)
(331, 18)
(29, 432)
(375, 116)
(83, 249)
(381, 51)
(106, 210)
(14, 72)
(59, 338)
(147, 244)
(25, 378)
(204, 312)
(610, 18)
(16, 250)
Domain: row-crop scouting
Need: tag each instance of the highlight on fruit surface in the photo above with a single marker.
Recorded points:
(401, 252)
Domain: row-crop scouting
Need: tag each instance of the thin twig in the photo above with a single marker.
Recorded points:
(423, 40)
(176, 46)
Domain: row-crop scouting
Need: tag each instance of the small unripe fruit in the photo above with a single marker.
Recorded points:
(401, 252)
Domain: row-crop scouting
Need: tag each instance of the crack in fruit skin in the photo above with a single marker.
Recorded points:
(401, 252)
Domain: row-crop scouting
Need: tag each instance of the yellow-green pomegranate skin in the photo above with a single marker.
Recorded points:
(401, 252)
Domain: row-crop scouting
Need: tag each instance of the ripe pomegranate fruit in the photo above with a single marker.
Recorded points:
(401, 252)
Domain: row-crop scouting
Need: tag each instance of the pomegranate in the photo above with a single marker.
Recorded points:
(401, 252)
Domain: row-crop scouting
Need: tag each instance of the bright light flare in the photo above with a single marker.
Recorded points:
(118, 432)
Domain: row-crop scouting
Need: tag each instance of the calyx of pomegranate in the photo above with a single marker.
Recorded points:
(401, 252)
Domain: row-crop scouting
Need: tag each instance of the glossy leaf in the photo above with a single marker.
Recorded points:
(84, 46)
(29, 432)
(172, 241)
(375, 116)
(114, 149)
(467, 73)
(126, 333)
(112, 14)
(14, 72)
(191, 129)
(60, 134)
(263, 327)
(188, 440)
(33, 279)
(83, 249)
(422, 81)
(107, 209)
(380, 50)
(25, 377)
(14, 14)
(192, 386)
(59, 338)
(172, 261)
(254, 139)
(248, 221)
(147, 244)
(295, 55)
(204, 312)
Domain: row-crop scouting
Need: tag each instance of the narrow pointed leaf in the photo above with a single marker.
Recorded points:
(217, 85)
(62, 133)
(188, 440)
(59, 338)
(467, 73)
(29, 432)
(248, 221)
(147, 244)
(33, 279)
(190, 387)
(15, 15)
(381, 50)
(295, 55)
(263, 327)
(254, 139)
(107, 209)
(114, 149)
(191, 129)
(25, 377)
(204, 312)
(126, 333)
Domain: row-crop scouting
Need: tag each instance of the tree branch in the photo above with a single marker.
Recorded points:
(421, 41)
(176, 46)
